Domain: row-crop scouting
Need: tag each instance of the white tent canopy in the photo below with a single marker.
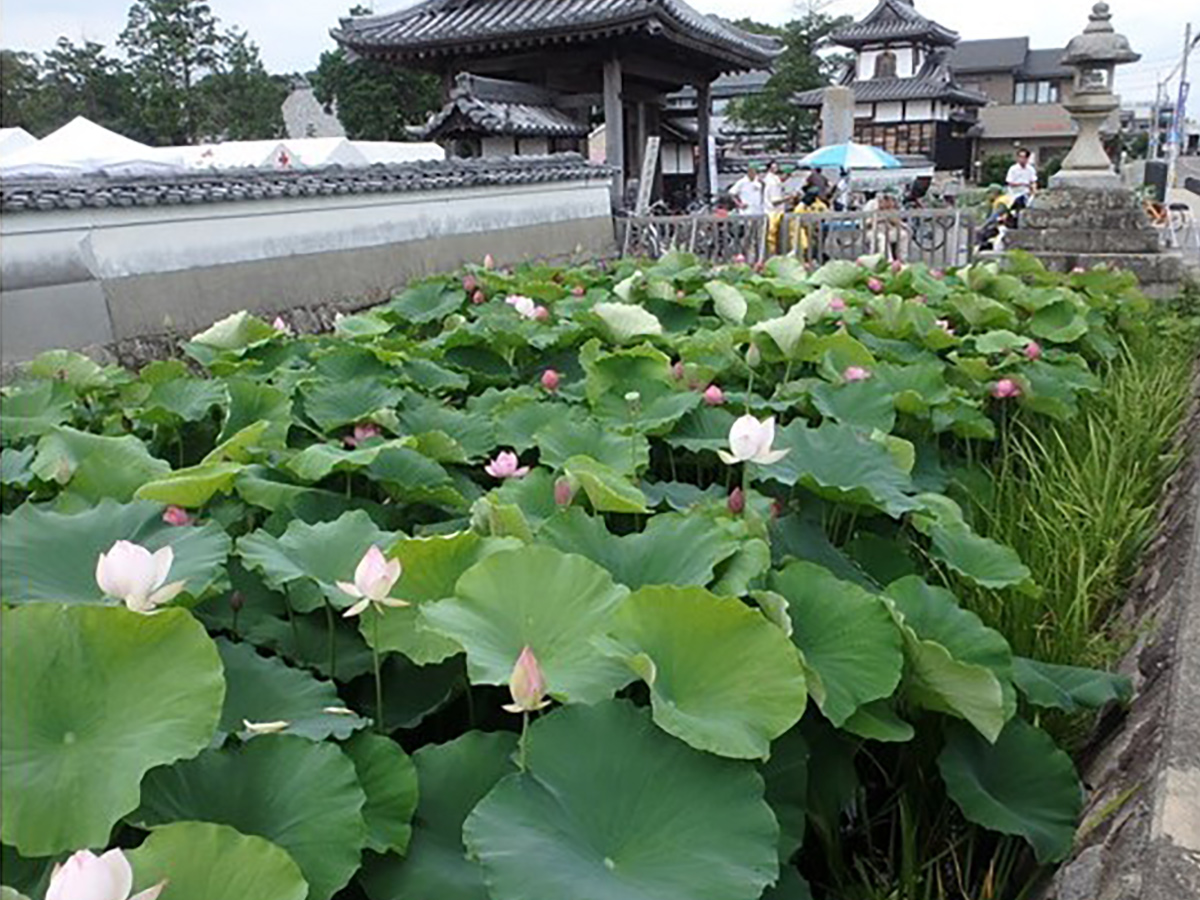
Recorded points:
(238, 155)
(312, 152)
(14, 139)
(81, 147)
(388, 152)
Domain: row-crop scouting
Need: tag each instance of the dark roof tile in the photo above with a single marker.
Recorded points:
(894, 20)
(993, 54)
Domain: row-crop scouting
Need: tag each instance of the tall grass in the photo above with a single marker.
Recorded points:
(1078, 501)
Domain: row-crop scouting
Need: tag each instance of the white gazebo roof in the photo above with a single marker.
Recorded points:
(82, 147)
(388, 152)
(14, 139)
(238, 155)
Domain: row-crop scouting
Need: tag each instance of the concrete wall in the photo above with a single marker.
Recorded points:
(71, 278)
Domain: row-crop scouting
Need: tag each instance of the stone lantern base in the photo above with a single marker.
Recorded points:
(1074, 225)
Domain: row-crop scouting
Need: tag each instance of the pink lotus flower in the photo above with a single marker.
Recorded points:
(678, 372)
(750, 441)
(713, 395)
(759, 266)
(177, 515)
(550, 379)
(374, 577)
(1006, 388)
(541, 313)
(470, 283)
(837, 304)
(937, 273)
(1033, 351)
(505, 466)
(856, 373)
(527, 685)
(282, 327)
(874, 285)
(564, 491)
(1078, 270)
(897, 266)
(489, 262)
(363, 432)
(522, 304)
(739, 259)
(736, 501)
(945, 325)
(578, 291)
(680, 294)
(479, 297)
(86, 876)
(132, 574)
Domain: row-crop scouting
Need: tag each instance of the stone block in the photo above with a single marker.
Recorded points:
(1080, 240)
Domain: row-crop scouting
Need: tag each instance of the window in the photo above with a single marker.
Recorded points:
(885, 65)
(1032, 92)
(906, 139)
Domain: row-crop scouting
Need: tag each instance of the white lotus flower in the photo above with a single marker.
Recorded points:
(522, 304)
(373, 581)
(132, 574)
(750, 440)
(86, 876)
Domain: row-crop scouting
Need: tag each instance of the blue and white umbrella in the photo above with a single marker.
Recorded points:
(850, 156)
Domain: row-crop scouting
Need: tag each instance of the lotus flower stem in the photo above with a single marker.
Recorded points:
(787, 371)
(523, 743)
(332, 642)
(379, 727)
(287, 604)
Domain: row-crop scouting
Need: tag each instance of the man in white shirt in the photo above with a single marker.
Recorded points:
(747, 194)
(774, 196)
(1022, 177)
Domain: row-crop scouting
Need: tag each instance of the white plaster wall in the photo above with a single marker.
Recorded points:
(499, 146)
(891, 111)
(69, 246)
(534, 146)
(919, 110)
(906, 62)
(863, 110)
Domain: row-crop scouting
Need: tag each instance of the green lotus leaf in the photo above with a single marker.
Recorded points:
(431, 568)
(838, 273)
(736, 575)
(957, 665)
(535, 597)
(803, 537)
(52, 556)
(35, 409)
(192, 487)
(389, 779)
(14, 466)
(411, 693)
(610, 808)
(705, 428)
(413, 478)
(427, 302)
(333, 404)
(863, 404)
(234, 332)
(982, 560)
(721, 677)
(453, 778)
(94, 466)
(1022, 784)
(1000, 341)
(475, 434)
(93, 698)
(318, 461)
(250, 404)
(261, 689)
(607, 490)
(317, 556)
(786, 775)
(73, 369)
(791, 886)
(785, 330)
(201, 860)
(840, 463)
(303, 796)
(626, 321)
(1059, 322)
(7, 893)
(847, 635)
(519, 420)
(181, 399)
(566, 437)
(727, 301)
(361, 325)
(1069, 688)
(673, 549)
(533, 495)
(878, 721)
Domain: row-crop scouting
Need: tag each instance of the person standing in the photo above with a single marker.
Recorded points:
(1022, 177)
(747, 193)
(775, 201)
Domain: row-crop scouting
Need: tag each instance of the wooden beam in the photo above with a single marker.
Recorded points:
(614, 128)
(704, 186)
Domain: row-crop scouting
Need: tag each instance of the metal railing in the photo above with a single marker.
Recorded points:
(936, 237)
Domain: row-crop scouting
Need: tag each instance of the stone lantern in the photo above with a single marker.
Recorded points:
(1094, 55)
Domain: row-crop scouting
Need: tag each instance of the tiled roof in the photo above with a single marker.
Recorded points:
(463, 27)
(894, 20)
(1045, 64)
(880, 90)
(491, 117)
(93, 192)
(993, 54)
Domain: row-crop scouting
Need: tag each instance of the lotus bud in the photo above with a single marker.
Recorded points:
(777, 509)
(837, 304)
(1078, 270)
(736, 501)
(374, 578)
(937, 274)
(541, 313)
(177, 515)
(897, 266)
(363, 432)
(680, 293)
(753, 356)
(633, 400)
(1033, 351)
(739, 259)
(578, 291)
(1006, 388)
(236, 601)
(527, 684)
(489, 262)
(550, 379)
(564, 491)
(874, 285)
(945, 325)
(478, 297)
(713, 395)
(470, 283)
(856, 373)
(678, 372)
(282, 326)
(455, 320)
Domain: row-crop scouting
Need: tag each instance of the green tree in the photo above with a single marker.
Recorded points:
(374, 101)
(172, 45)
(22, 103)
(241, 100)
(803, 65)
(83, 80)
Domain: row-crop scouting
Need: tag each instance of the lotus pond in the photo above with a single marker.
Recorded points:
(629, 582)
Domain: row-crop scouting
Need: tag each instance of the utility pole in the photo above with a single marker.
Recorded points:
(1179, 115)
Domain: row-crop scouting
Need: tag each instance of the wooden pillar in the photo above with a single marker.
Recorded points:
(614, 128)
(704, 187)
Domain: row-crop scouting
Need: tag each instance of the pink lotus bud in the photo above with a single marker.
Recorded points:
(505, 465)
(564, 491)
(739, 259)
(363, 432)
(478, 297)
(85, 876)
(759, 266)
(841, 323)
(897, 266)
(374, 577)
(1078, 270)
(677, 371)
(541, 314)
(856, 373)
(489, 262)
(713, 395)
(837, 304)
(282, 326)
(1006, 388)
(176, 515)
(236, 601)
(937, 273)
(945, 325)
(874, 285)
(776, 509)
(736, 501)
(550, 380)
(1033, 351)
(578, 291)
(469, 283)
(680, 294)
(527, 685)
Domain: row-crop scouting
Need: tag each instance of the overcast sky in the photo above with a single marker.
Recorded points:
(292, 33)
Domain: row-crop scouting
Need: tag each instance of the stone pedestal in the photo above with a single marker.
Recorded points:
(1077, 226)
(837, 116)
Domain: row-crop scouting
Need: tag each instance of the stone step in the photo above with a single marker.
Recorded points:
(1111, 219)
(1082, 240)
(1120, 199)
